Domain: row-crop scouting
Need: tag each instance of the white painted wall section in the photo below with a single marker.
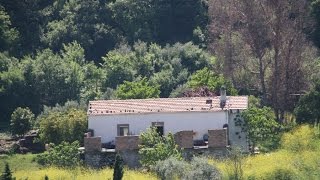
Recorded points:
(200, 122)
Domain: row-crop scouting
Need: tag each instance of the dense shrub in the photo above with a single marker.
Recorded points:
(58, 126)
(300, 139)
(282, 174)
(21, 120)
(200, 169)
(62, 155)
(118, 168)
(197, 169)
(7, 174)
(155, 148)
(171, 168)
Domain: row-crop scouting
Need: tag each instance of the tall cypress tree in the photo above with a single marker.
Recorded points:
(6, 175)
(118, 168)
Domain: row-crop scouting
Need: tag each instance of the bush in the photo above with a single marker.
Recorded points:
(155, 148)
(236, 163)
(21, 120)
(197, 169)
(300, 139)
(171, 168)
(200, 169)
(118, 168)
(281, 174)
(58, 126)
(63, 155)
(6, 175)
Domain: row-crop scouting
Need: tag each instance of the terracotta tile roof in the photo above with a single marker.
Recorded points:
(109, 107)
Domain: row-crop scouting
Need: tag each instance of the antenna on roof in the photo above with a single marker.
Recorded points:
(223, 97)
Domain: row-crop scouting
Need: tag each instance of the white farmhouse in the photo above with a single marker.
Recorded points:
(112, 118)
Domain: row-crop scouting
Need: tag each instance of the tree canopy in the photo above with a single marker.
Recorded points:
(60, 50)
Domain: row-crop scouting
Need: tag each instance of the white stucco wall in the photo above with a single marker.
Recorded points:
(237, 137)
(200, 122)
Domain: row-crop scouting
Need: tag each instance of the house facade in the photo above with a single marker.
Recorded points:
(110, 119)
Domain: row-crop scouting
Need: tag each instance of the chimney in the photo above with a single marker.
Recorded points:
(223, 97)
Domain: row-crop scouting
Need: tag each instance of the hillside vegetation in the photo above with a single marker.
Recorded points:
(57, 55)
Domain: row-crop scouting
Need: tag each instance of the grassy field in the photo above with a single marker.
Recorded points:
(80, 174)
(19, 162)
(298, 158)
(304, 165)
(23, 167)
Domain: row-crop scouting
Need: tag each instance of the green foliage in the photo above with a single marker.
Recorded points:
(21, 121)
(119, 68)
(208, 78)
(155, 148)
(63, 155)
(7, 174)
(8, 34)
(197, 169)
(200, 169)
(236, 158)
(307, 109)
(87, 22)
(118, 168)
(259, 124)
(282, 174)
(68, 126)
(315, 13)
(94, 79)
(19, 162)
(302, 138)
(137, 90)
(159, 21)
(254, 102)
(55, 79)
(170, 168)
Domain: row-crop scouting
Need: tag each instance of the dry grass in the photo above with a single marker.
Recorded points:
(80, 174)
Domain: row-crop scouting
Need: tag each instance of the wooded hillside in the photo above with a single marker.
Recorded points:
(54, 51)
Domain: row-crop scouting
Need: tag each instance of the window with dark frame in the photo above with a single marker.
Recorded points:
(123, 130)
(159, 127)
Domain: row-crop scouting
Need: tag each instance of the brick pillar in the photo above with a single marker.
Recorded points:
(92, 144)
(217, 138)
(184, 139)
(127, 143)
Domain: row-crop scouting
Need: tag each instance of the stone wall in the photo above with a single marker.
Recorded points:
(99, 159)
(217, 138)
(92, 144)
(184, 139)
(131, 158)
(127, 143)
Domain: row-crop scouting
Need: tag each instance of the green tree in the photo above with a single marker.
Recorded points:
(259, 124)
(159, 21)
(155, 148)
(58, 126)
(12, 87)
(137, 90)
(118, 168)
(88, 22)
(119, 67)
(315, 12)
(307, 109)
(63, 155)
(214, 82)
(55, 78)
(21, 121)
(94, 79)
(7, 174)
(8, 35)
